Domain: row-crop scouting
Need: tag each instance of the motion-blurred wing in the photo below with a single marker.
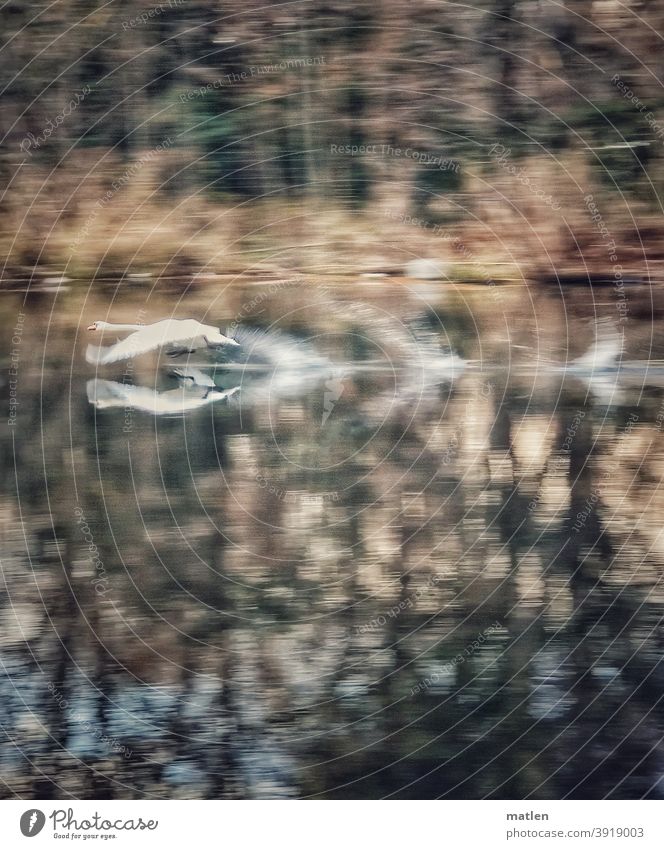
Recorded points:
(604, 352)
(275, 349)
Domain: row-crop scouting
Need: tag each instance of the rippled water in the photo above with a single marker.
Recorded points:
(364, 574)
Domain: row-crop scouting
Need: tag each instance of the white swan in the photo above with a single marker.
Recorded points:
(182, 336)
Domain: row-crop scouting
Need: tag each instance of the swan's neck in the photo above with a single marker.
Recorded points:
(124, 326)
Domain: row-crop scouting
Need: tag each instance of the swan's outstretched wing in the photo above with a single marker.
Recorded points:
(148, 338)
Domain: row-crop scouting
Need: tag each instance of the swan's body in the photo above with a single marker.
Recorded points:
(180, 335)
(105, 394)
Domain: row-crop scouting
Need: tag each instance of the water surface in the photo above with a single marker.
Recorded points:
(355, 581)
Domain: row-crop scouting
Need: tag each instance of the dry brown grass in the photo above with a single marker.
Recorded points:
(54, 222)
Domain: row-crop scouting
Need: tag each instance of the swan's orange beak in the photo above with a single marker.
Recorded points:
(92, 327)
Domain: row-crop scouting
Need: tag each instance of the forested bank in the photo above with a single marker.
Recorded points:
(194, 137)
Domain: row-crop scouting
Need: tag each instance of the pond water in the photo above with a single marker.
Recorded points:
(374, 570)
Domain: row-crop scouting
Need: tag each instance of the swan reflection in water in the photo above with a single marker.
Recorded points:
(190, 395)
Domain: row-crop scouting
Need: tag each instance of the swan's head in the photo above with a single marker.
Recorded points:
(98, 325)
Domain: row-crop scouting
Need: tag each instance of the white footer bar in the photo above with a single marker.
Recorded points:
(333, 824)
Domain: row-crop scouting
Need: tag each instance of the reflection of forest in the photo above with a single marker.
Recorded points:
(248, 643)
